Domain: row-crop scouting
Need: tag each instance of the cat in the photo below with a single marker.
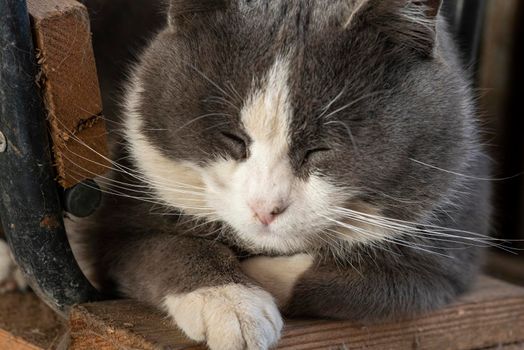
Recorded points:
(296, 157)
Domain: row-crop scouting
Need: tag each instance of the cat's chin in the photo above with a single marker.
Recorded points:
(268, 240)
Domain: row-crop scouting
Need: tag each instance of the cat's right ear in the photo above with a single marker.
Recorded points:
(185, 12)
(410, 23)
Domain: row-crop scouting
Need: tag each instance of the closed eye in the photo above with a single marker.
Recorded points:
(236, 144)
(312, 153)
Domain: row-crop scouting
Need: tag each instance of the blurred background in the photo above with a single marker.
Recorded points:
(500, 81)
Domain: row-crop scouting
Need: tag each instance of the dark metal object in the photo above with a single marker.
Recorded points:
(466, 19)
(83, 199)
(29, 200)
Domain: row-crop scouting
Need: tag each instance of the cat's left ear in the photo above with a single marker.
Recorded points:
(413, 23)
(409, 23)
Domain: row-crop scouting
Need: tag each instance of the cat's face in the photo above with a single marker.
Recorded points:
(285, 119)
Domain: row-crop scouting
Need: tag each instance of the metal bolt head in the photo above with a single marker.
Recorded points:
(3, 143)
(83, 199)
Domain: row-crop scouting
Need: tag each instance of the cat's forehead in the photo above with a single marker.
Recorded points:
(237, 63)
(318, 14)
(240, 48)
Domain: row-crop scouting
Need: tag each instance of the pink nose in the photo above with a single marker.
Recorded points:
(267, 214)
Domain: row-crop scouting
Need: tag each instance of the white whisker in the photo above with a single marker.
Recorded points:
(352, 103)
(432, 232)
(464, 175)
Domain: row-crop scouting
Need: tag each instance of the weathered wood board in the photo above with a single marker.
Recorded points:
(492, 316)
(70, 85)
(26, 323)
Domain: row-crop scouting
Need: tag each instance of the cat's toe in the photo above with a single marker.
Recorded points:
(228, 317)
(188, 313)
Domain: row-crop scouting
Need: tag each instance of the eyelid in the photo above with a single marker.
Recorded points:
(234, 137)
(312, 151)
(240, 141)
(319, 149)
(316, 150)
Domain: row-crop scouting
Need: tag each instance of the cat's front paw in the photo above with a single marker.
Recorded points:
(228, 317)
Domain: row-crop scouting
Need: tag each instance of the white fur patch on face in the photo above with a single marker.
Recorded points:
(278, 275)
(232, 317)
(266, 180)
(175, 183)
(267, 113)
(266, 117)
(270, 209)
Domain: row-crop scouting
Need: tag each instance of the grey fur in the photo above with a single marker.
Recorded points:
(412, 106)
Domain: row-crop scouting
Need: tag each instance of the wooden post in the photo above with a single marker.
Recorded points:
(69, 80)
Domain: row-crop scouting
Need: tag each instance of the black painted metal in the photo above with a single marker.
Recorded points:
(83, 199)
(29, 203)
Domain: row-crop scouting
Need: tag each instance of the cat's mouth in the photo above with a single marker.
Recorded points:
(268, 230)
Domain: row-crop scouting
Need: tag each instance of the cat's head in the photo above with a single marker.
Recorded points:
(294, 121)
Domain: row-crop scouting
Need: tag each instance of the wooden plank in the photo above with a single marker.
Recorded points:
(28, 324)
(508, 347)
(11, 342)
(492, 316)
(71, 91)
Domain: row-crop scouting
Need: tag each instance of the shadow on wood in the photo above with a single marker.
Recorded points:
(26, 323)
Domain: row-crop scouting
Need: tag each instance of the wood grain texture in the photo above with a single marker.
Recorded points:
(9, 341)
(26, 323)
(71, 92)
(492, 316)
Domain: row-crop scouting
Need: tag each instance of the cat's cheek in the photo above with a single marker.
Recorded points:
(278, 275)
(227, 317)
(225, 193)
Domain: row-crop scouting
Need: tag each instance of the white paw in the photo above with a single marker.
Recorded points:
(10, 276)
(230, 317)
(278, 275)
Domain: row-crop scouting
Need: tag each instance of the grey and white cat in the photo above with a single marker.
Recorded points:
(296, 157)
